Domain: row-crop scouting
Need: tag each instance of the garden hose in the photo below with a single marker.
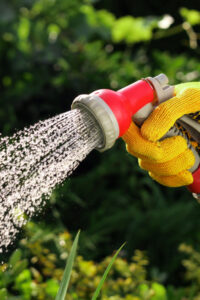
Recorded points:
(115, 110)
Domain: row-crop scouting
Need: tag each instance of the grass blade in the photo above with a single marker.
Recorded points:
(98, 289)
(67, 272)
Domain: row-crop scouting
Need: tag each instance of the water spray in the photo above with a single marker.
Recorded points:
(115, 110)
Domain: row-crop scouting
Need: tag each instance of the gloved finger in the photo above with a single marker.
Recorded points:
(137, 144)
(168, 149)
(171, 148)
(182, 162)
(181, 87)
(181, 179)
(166, 114)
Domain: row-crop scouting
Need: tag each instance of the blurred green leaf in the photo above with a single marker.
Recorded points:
(3, 294)
(19, 267)
(23, 29)
(160, 291)
(25, 275)
(23, 283)
(143, 290)
(53, 31)
(190, 15)
(15, 257)
(52, 287)
(23, 34)
(132, 30)
(98, 17)
(100, 22)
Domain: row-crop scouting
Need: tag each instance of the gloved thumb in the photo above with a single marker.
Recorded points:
(186, 101)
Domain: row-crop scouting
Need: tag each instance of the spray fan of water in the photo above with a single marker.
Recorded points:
(35, 160)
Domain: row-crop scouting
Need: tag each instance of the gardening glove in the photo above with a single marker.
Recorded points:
(168, 161)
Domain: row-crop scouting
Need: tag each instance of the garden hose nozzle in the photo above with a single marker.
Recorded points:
(114, 111)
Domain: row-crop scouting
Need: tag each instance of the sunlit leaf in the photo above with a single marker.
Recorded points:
(190, 15)
(99, 21)
(23, 28)
(23, 34)
(131, 30)
(53, 31)
(143, 290)
(23, 276)
(52, 287)
(160, 291)
(3, 294)
(68, 269)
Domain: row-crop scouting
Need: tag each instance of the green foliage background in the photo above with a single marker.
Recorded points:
(54, 50)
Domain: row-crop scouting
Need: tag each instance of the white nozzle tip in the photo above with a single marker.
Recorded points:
(162, 79)
(161, 87)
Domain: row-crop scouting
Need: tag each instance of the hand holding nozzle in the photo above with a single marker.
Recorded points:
(172, 160)
(163, 151)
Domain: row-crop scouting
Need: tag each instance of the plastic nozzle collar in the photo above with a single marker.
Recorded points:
(103, 115)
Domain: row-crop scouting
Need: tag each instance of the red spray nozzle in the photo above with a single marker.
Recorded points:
(127, 101)
(114, 110)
